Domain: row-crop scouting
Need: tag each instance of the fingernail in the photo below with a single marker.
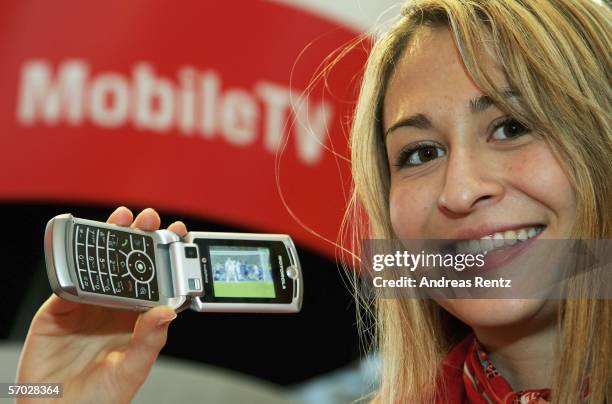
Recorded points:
(166, 320)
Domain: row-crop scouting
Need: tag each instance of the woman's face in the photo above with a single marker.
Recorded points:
(463, 169)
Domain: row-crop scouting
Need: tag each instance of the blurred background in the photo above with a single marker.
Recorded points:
(229, 116)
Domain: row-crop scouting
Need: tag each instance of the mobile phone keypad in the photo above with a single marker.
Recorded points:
(114, 262)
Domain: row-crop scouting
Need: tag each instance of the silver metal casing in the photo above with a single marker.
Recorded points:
(60, 263)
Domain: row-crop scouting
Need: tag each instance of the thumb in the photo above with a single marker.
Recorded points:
(148, 338)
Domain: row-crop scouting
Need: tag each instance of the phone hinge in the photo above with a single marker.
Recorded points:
(186, 272)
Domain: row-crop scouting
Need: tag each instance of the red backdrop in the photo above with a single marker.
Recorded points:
(179, 106)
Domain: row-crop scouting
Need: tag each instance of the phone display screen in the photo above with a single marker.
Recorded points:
(244, 271)
(241, 271)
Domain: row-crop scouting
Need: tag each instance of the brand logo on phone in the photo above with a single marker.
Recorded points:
(282, 271)
(205, 271)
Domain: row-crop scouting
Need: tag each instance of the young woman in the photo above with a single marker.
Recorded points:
(475, 118)
(480, 118)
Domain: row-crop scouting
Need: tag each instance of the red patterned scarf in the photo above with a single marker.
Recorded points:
(469, 377)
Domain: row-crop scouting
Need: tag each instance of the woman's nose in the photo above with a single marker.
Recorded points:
(470, 182)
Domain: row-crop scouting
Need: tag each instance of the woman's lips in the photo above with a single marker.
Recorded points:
(500, 256)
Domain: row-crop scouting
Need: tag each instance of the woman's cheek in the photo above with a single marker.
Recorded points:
(538, 175)
(410, 206)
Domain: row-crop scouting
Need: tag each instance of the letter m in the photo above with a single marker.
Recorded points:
(47, 98)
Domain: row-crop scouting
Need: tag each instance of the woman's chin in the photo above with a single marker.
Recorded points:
(493, 313)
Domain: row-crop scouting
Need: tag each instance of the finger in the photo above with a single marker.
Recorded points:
(149, 337)
(148, 220)
(179, 228)
(56, 305)
(121, 216)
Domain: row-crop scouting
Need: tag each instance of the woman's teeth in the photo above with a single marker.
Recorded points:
(497, 240)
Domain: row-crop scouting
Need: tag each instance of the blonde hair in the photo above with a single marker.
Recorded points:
(556, 56)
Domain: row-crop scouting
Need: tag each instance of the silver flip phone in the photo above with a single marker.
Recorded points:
(108, 265)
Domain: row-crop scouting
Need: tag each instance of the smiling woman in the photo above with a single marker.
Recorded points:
(485, 121)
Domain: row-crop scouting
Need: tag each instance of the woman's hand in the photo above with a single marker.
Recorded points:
(100, 355)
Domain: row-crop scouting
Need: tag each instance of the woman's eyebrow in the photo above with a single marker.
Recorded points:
(419, 121)
(477, 105)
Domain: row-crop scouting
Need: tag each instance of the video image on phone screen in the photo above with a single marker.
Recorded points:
(241, 271)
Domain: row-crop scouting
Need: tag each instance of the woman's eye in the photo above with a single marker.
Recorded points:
(509, 129)
(419, 155)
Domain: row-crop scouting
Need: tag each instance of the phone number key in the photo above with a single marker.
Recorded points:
(31, 390)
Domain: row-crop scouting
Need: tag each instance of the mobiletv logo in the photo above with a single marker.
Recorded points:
(193, 105)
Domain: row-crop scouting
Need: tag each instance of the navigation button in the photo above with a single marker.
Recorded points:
(140, 266)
